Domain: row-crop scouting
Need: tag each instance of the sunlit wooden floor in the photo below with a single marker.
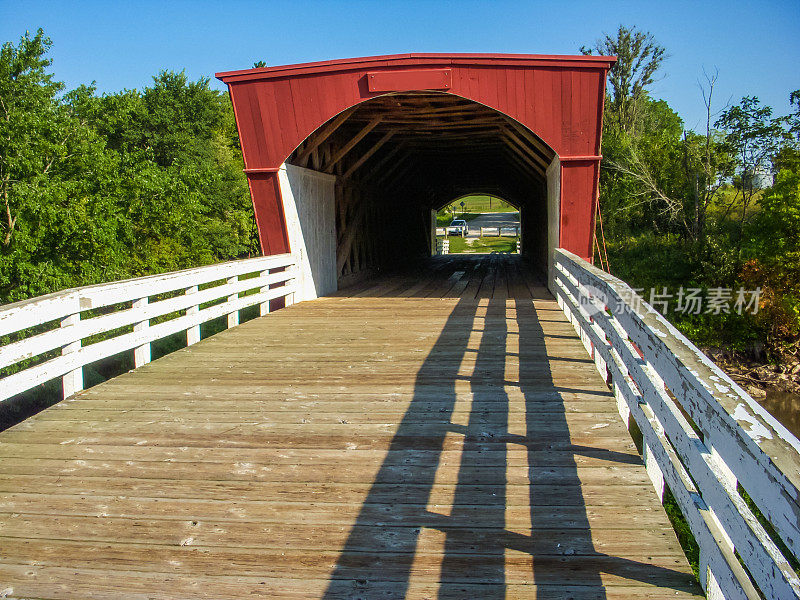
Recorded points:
(434, 435)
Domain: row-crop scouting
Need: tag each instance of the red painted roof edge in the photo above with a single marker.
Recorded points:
(602, 62)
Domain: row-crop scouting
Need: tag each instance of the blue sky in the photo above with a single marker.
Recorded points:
(755, 45)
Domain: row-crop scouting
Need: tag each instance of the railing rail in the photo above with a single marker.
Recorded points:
(195, 296)
(499, 231)
(702, 435)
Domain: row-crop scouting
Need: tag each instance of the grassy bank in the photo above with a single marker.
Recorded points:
(649, 263)
(484, 245)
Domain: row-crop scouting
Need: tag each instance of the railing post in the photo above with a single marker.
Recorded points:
(263, 308)
(622, 406)
(193, 333)
(728, 480)
(288, 299)
(233, 317)
(141, 354)
(653, 471)
(712, 588)
(72, 382)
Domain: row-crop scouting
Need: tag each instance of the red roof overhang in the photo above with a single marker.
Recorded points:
(415, 59)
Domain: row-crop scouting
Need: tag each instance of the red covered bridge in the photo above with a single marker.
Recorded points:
(407, 134)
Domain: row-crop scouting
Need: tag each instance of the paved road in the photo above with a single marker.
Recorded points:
(506, 219)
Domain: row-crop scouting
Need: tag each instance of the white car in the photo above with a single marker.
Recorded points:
(457, 227)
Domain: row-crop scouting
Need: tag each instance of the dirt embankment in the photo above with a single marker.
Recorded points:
(758, 377)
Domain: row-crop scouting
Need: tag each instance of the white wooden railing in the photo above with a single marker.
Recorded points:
(702, 435)
(505, 230)
(134, 314)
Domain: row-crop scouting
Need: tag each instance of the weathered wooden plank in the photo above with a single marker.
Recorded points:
(69, 494)
(61, 583)
(630, 543)
(373, 447)
(344, 471)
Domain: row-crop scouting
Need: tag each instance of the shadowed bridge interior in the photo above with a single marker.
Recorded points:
(400, 156)
(437, 433)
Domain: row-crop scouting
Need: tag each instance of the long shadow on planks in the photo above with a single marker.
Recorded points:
(476, 527)
(456, 534)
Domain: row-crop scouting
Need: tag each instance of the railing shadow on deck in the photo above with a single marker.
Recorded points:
(385, 553)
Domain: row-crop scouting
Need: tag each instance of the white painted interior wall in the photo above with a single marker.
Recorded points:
(553, 175)
(309, 204)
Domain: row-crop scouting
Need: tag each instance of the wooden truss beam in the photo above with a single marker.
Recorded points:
(351, 144)
(368, 154)
(323, 134)
(376, 169)
(544, 151)
(520, 147)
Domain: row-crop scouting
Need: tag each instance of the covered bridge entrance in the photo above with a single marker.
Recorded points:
(347, 159)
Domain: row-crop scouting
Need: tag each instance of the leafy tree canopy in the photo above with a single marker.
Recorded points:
(639, 57)
(96, 188)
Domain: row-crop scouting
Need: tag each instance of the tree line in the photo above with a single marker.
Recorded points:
(102, 187)
(716, 208)
(96, 188)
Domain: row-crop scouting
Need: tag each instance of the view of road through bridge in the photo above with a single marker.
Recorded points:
(350, 415)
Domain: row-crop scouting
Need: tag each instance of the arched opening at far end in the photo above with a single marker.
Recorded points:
(366, 186)
(478, 224)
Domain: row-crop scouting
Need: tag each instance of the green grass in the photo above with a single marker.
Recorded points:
(473, 206)
(482, 204)
(485, 245)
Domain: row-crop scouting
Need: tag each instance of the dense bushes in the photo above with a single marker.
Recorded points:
(697, 209)
(96, 188)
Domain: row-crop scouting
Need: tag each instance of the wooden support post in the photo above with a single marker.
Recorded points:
(622, 406)
(729, 481)
(601, 366)
(653, 471)
(72, 382)
(193, 333)
(141, 354)
(709, 582)
(346, 245)
(233, 317)
(263, 308)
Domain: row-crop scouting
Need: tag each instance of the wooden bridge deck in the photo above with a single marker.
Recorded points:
(443, 435)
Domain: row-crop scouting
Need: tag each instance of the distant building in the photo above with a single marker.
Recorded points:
(762, 178)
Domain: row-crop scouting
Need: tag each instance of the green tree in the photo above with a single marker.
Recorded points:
(54, 174)
(639, 57)
(753, 137)
(102, 188)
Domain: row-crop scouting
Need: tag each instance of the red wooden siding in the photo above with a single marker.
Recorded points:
(559, 98)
